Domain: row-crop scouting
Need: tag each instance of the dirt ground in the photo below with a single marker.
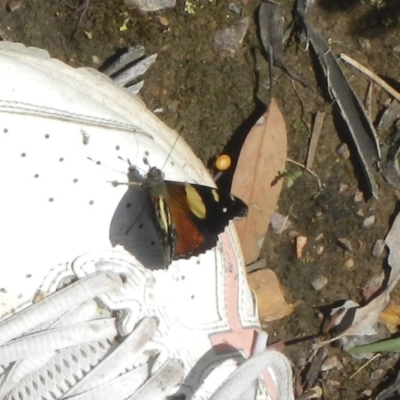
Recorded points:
(207, 97)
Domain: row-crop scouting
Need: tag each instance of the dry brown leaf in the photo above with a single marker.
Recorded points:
(271, 302)
(390, 316)
(256, 179)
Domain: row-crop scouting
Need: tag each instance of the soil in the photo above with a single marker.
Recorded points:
(209, 98)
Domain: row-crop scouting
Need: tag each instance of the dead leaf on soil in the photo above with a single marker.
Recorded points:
(271, 302)
(256, 179)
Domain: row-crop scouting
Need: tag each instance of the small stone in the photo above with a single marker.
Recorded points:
(377, 375)
(150, 5)
(359, 196)
(345, 244)
(331, 363)
(367, 393)
(364, 43)
(343, 187)
(360, 213)
(349, 263)
(378, 248)
(319, 249)
(234, 8)
(396, 49)
(319, 237)
(96, 60)
(319, 283)
(228, 41)
(300, 244)
(318, 214)
(389, 117)
(279, 223)
(163, 20)
(372, 286)
(343, 151)
(14, 5)
(368, 222)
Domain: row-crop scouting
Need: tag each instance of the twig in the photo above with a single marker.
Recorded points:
(368, 98)
(319, 121)
(320, 187)
(363, 366)
(371, 75)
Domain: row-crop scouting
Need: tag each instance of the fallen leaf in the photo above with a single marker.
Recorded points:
(271, 302)
(390, 316)
(256, 179)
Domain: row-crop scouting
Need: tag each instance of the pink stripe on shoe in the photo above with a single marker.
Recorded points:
(238, 336)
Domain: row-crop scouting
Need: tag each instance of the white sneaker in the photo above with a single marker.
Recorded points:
(101, 325)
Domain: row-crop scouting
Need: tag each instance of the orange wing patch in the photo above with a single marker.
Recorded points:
(189, 239)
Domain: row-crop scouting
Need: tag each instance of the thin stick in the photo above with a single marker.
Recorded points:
(368, 99)
(371, 75)
(317, 128)
(363, 366)
(308, 170)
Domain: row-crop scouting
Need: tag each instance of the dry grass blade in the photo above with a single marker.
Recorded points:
(256, 179)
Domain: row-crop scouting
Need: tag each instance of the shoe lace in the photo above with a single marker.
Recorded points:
(243, 382)
(63, 347)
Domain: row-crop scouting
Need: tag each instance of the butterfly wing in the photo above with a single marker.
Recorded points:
(199, 213)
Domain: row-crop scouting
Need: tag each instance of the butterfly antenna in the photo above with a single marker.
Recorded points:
(98, 162)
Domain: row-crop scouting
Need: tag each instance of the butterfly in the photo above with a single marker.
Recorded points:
(188, 217)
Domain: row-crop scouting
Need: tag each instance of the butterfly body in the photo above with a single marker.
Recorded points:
(189, 217)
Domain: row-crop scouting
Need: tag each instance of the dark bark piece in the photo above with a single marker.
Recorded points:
(271, 35)
(360, 127)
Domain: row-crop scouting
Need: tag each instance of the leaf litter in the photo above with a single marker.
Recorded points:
(363, 319)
